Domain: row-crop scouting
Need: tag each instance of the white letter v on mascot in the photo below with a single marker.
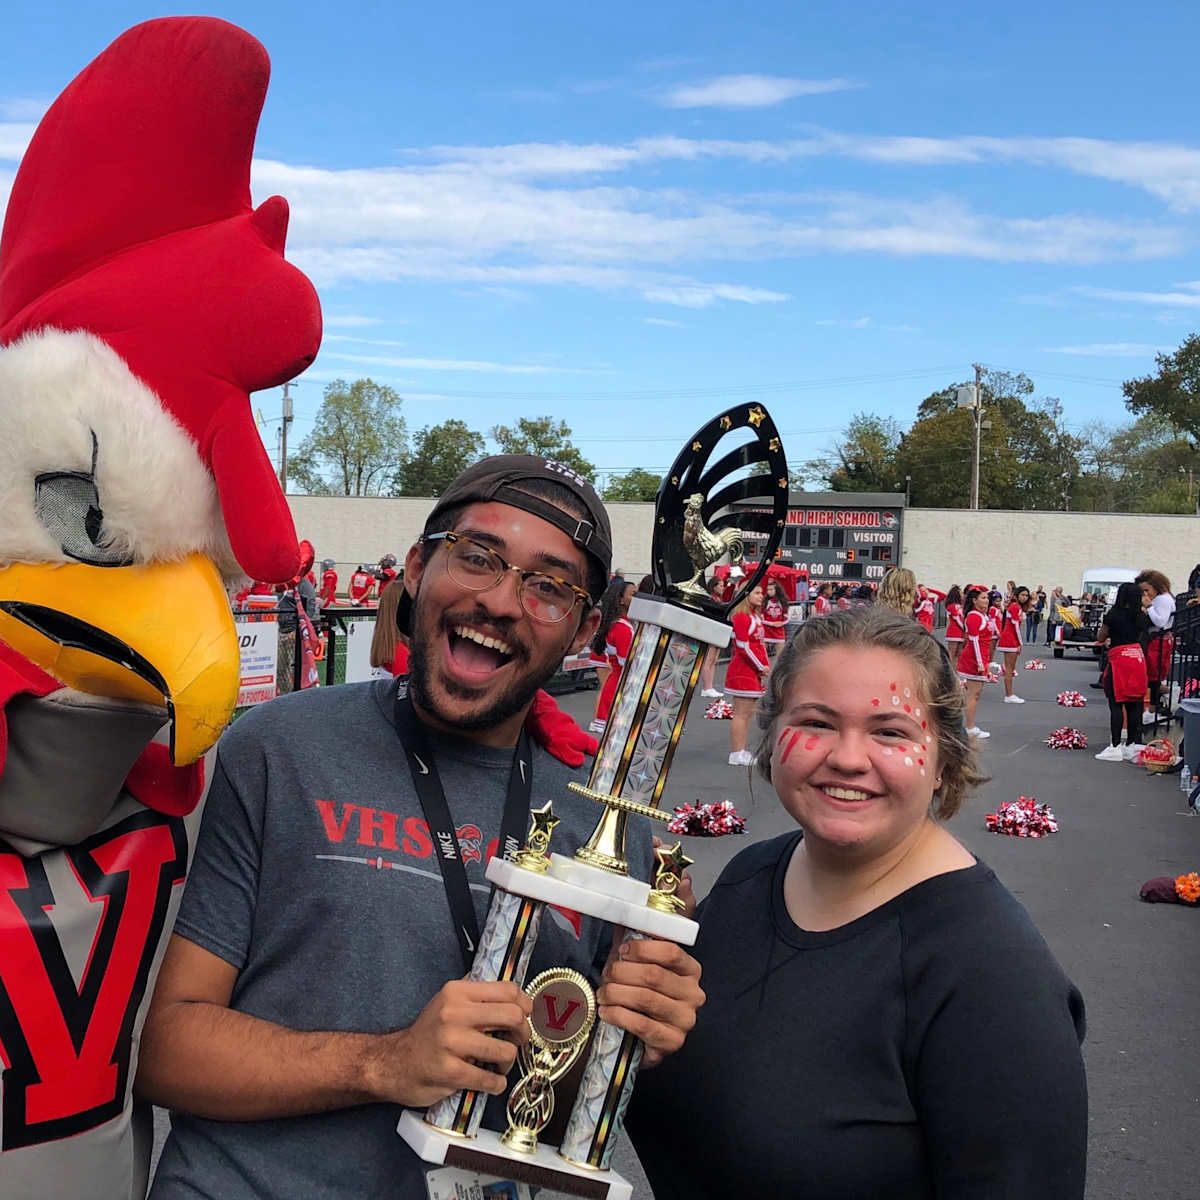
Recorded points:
(142, 298)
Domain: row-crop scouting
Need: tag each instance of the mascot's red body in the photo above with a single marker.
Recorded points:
(141, 299)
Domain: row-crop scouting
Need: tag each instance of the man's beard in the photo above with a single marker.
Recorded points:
(517, 696)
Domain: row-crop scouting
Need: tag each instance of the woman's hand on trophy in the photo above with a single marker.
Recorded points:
(651, 988)
(450, 1046)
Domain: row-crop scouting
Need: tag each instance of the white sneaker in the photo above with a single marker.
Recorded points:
(976, 732)
(741, 758)
(1111, 754)
(1013, 700)
(711, 694)
(1149, 717)
(1131, 750)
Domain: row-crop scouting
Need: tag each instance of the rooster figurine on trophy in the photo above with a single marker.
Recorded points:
(729, 484)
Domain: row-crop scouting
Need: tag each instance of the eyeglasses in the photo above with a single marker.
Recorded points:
(471, 564)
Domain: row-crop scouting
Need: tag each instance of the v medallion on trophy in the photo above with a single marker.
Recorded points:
(727, 486)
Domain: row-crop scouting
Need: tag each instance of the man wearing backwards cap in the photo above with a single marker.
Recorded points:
(314, 981)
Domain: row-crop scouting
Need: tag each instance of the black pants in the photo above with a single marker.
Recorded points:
(1130, 711)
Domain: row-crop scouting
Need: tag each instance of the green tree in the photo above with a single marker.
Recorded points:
(440, 453)
(937, 452)
(1173, 393)
(863, 459)
(357, 445)
(546, 437)
(638, 484)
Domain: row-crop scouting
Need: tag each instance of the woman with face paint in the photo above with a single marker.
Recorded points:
(883, 1018)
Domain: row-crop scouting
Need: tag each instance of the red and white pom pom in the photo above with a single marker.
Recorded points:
(1023, 817)
(719, 710)
(1072, 699)
(1035, 664)
(1066, 738)
(995, 670)
(707, 820)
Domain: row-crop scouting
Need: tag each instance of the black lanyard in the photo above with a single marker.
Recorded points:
(421, 763)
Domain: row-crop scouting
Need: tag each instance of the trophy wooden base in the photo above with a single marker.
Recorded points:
(487, 1155)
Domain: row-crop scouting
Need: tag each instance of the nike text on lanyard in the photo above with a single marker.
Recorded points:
(421, 763)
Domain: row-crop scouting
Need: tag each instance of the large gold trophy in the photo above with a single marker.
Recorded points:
(731, 478)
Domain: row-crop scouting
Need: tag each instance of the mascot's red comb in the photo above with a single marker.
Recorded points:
(130, 218)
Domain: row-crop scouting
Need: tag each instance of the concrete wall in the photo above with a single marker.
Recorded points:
(352, 529)
(942, 546)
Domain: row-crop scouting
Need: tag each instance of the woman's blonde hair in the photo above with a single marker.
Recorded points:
(387, 633)
(877, 628)
(744, 605)
(898, 591)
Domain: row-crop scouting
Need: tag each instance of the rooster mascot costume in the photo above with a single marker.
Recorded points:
(141, 299)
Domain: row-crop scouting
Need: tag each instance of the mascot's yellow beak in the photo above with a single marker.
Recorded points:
(161, 633)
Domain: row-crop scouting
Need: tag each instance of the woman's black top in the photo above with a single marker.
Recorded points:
(1124, 628)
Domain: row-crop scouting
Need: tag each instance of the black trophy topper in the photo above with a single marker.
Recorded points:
(703, 506)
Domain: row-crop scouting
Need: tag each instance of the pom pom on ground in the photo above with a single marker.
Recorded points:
(1035, 664)
(1072, 699)
(719, 710)
(707, 820)
(1066, 738)
(1023, 817)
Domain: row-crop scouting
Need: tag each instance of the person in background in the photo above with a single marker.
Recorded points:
(647, 587)
(1011, 620)
(748, 666)
(1053, 617)
(975, 655)
(898, 591)
(389, 647)
(774, 617)
(883, 1018)
(610, 610)
(1033, 615)
(823, 600)
(925, 611)
(708, 668)
(1159, 604)
(618, 640)
(841, 598)
(361, 583)
(994, 613)
(954, 620)
(1124, 679)
(327, 593)
(385, 572)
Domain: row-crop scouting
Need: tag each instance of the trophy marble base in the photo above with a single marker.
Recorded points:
(595, 893)
(487, 1155)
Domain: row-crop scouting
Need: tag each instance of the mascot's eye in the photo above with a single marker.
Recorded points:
(68, 505)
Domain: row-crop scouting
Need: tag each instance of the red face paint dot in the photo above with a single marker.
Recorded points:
(924, 724)
(920, 762)
(908, 708)
(811, 744)
(892, 686)
(874, 701)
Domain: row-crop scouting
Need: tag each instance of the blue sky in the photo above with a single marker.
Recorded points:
(631, 215)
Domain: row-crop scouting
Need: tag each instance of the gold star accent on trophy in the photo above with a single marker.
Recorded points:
(542, 823)
(756, 416)
(726, 422)
(773, 445)
(673, 859)
(672, 862)
(674, 480)
(783, 483)
(697, 446)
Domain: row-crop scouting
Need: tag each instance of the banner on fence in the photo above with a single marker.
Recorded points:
(358, 651)
(258, 642)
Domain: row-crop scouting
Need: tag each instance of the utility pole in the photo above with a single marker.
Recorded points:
(287, 420)
(978, 412)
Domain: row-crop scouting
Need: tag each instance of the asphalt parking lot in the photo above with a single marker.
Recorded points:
(1137, 964)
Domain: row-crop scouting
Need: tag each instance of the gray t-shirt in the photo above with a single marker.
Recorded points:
(315, 876)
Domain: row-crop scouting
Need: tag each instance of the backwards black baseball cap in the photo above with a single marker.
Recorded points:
(513, 479)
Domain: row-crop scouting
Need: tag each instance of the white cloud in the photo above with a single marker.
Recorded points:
(847, 322)
(705, 295)
(1184, 299)
(665, 322)
(23, 108)
(350, 321)
(346, 337)
(749, 91)
(1107, 350)
(14, 138)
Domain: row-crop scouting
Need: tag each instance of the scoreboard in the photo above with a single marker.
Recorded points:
(842, 536)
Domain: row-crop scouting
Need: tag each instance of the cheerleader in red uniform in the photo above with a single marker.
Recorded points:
(774, 617)
(1010, 639)
(954, 619)
(975, 654)
(821, 602)
(618, 639)
(744, 677)
(1159, 604)
(926, 606)
(329, 582)
(361, 583)
(993, 619)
